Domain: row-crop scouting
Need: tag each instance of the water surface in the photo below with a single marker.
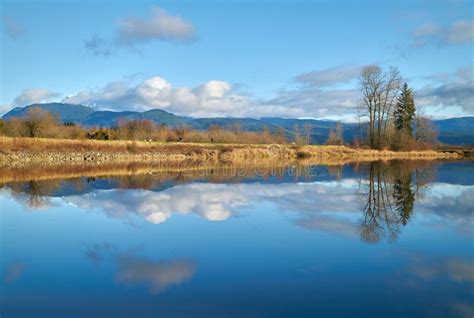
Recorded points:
(371, 240)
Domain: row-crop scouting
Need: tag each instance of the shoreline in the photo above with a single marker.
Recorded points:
(182, 171)
(34, 152)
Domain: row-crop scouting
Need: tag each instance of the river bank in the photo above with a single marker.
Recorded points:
(23, 152)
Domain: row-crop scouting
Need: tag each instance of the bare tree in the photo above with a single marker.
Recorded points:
(297, 135)
(379, 89)
(181, 132)
(307, 133)
(281, 135)
(426, 134)
(37, 121)
(335, 135)
(339, 133)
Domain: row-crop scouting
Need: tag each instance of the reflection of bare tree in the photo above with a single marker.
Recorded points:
(335, 172)
(378, 219)
(37, 192)
(388, 197)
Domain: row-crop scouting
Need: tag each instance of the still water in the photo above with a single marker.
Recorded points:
(367, 240)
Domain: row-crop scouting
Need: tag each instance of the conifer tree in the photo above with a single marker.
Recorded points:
(405, 110)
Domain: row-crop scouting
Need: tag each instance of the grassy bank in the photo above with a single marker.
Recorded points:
(44, 152)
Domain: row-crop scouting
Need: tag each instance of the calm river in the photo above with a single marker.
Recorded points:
(366, 240)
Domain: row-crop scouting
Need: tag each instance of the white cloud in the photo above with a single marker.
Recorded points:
(213, 98)
(34, 95)
(317, 94)
(460, 32)
(217, 98)
(159, 26)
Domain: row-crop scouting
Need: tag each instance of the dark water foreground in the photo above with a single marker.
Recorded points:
(368, 240)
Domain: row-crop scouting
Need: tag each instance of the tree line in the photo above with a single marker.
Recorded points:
(38, 123)
(388, 120)
(389, 106)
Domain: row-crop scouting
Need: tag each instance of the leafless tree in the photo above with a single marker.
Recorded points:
(37, 121)
(181, 132)
(379, 89)
(297, 135)
(281, 135)
(335, 135)
(426, 134)
(307, 133)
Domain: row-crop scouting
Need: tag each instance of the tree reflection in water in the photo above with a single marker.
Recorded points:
(388, 197)
(386, 193)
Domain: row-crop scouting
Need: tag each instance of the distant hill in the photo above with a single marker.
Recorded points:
(65, 112)
(458, 131)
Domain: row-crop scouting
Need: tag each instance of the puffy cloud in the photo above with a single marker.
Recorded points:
(157, 275)
(159, 26)
(12, 28)
(460, 32)
(34, 95)
(317, 94)
(213, 98)
(218, 98)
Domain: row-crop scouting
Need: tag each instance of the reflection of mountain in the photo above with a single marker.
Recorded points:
(375, 201)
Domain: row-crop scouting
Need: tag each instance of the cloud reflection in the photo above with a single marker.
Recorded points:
(157, 275)
(340, 207)
(333, 207)
(455, 270)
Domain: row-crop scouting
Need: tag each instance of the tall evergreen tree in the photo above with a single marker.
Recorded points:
(404, 112)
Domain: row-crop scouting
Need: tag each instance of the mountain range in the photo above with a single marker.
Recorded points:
(458, 131)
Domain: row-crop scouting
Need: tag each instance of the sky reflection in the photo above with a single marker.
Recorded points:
(261, 247)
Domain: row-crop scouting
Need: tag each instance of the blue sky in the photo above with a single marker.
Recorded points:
(235, 58)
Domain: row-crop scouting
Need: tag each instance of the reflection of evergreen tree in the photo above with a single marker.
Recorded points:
(404, 198)
(388, 200)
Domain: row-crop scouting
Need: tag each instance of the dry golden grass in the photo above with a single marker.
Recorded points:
(19, 151)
